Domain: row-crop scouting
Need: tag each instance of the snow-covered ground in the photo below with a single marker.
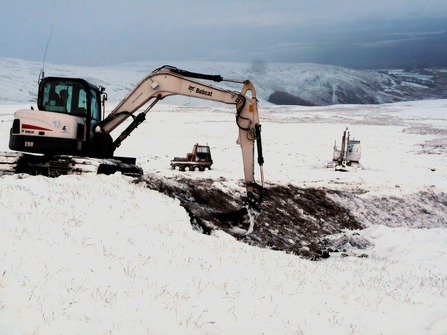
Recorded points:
(103, 255)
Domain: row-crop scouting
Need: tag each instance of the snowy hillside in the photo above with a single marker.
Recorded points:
(318, 84)
(113, 255)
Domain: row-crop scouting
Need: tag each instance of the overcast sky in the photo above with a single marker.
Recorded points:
(106, 32)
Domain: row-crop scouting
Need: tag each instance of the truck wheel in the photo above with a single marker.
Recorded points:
(207, 168)
(197, 168)
(177, 167)
(186, 168)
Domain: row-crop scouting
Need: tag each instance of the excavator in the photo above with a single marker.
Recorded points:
(347, 157)
(69, 133)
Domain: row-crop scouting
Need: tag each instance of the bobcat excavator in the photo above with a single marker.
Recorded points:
(69, 132)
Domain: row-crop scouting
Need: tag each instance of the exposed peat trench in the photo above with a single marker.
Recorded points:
(292, 219)
(309, 222)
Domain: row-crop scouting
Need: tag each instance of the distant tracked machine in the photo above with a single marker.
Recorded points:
(199, 159)
(347, 158)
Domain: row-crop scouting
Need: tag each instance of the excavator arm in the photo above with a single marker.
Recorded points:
(167, 81)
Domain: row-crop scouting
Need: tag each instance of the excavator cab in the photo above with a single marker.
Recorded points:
(71, 107)
(70, 96)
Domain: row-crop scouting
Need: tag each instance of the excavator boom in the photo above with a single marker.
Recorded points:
(167, 81)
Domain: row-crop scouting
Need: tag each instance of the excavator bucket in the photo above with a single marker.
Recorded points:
(239, 222)
(242, 221)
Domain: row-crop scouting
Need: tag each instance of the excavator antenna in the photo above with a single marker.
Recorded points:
(42, 71)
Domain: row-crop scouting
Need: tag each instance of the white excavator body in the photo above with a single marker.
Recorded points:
(69, 124)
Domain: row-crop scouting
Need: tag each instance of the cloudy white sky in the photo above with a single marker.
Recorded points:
(85, 32)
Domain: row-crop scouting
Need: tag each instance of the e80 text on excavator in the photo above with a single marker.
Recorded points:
(69, 133)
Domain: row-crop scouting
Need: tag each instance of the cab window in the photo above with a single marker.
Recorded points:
(65, 97)
(95, 110)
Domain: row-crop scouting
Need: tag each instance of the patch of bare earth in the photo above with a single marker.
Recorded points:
(292, 219)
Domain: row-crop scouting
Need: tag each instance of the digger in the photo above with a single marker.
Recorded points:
(69, 132)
